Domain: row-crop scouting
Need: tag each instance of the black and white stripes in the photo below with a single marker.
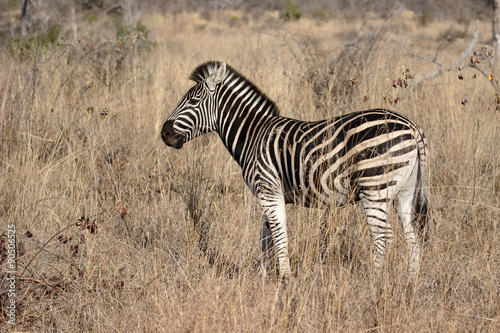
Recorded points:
(377, 157)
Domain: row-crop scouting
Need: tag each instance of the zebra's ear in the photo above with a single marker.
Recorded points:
(216, 77)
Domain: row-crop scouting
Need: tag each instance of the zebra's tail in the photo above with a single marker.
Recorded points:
(421, 201)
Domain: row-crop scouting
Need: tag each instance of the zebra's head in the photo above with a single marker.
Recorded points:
(196, 113)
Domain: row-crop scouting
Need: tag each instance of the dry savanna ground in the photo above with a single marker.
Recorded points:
(117, 232)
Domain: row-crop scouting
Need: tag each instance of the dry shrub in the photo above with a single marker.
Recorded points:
(331, 76)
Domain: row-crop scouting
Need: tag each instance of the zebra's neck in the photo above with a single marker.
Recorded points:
(245, 115)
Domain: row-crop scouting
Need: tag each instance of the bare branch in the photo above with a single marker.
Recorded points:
(460, 63)
(469, 48)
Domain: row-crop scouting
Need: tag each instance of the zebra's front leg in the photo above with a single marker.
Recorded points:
(275, 222)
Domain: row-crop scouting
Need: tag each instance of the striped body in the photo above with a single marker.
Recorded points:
(376, 156)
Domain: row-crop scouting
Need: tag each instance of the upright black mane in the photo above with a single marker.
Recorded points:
(203, 71)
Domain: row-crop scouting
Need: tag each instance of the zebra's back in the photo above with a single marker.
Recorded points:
(338, 159)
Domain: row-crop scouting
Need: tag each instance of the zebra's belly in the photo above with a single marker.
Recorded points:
(321, 196)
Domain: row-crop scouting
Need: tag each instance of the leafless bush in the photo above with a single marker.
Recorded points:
(200, 194)
(331, 77)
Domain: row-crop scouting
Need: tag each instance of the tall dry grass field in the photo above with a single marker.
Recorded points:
(117, 232)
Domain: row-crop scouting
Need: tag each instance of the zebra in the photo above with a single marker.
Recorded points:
(376, 157)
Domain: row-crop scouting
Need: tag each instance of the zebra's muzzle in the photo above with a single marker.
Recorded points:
(170, 137)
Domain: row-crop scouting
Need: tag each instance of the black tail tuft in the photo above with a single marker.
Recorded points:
(422, 209)
(422, 214)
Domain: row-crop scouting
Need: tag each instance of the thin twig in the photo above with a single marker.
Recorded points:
(457, 63)
(42, 248)
(469, 48)
(32, 280)
(460, 64)
(45, 244)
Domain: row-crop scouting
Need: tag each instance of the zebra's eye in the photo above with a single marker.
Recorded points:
(194, 101)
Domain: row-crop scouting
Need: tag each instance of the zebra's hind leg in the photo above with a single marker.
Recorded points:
(376, 217)
(266, 244)
(405, 205)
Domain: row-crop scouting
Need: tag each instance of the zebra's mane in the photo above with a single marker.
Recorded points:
(203, 71)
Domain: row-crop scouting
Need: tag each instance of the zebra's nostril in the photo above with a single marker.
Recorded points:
(167, 129)
(169, 136)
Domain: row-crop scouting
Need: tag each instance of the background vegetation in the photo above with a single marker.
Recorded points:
(116, 232)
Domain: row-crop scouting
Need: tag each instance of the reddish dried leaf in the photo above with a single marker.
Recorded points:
(124, 212)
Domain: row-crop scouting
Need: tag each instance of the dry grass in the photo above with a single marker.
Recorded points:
(183, 255)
